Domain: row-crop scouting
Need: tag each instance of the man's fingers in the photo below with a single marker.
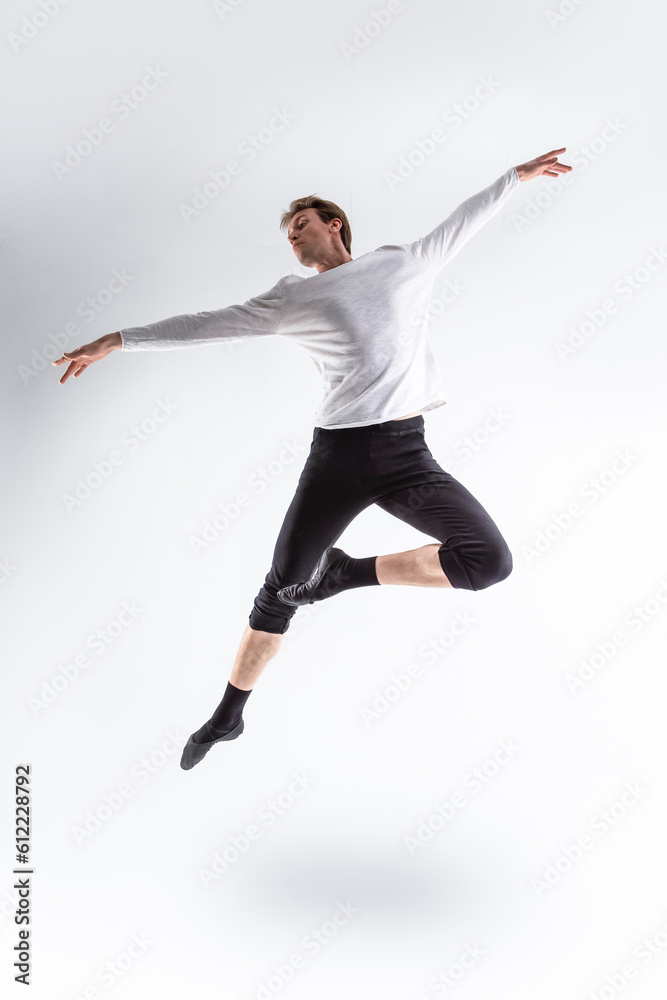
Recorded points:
(546, 165)
(73, 365)
(552, 153)
(78, 355)
(67, 356)
(561, 168)
(546, 157)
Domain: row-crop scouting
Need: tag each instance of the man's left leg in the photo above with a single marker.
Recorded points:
(474, 562)
(415, 568)
(408, 483)
(472, 553)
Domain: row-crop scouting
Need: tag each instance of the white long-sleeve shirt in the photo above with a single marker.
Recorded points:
(363, 323)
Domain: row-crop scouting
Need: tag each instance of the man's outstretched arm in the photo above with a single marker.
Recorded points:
(444, 242)
(259, 316)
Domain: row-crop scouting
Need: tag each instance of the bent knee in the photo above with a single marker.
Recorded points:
(262, 622)
(495, 567)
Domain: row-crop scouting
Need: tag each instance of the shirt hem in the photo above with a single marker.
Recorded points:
(378, 420)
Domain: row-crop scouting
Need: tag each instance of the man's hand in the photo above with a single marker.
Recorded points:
(546, 164)
(84, 356)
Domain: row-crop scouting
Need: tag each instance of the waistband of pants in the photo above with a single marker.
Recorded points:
(386, 426)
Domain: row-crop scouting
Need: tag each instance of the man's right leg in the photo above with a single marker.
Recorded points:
(255, 651)
(329, 495)
(331, 492)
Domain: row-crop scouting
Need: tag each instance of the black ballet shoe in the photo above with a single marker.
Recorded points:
(194, 752)
(327, 580)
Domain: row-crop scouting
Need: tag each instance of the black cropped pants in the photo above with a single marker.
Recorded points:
(388, 464)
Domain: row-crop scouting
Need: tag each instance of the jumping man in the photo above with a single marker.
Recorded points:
(363, 321)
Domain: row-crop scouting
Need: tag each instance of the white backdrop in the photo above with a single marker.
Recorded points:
(411, 812)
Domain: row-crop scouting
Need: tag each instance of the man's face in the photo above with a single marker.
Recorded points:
(311, 238)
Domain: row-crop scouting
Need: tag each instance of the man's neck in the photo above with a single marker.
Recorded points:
(330, 263)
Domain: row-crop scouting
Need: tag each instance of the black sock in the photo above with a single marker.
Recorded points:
(226, 716)
(344, 573)
(361, 572)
